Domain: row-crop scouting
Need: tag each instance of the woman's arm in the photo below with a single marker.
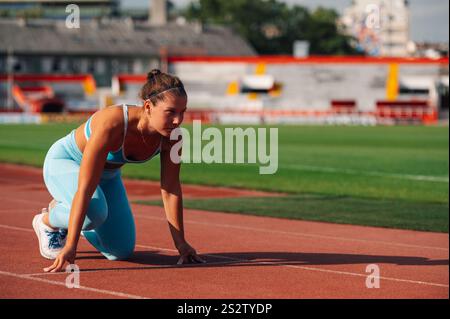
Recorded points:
(173, 204)
(171, 194)
(92, 164)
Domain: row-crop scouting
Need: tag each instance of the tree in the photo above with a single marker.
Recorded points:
(325, 37)
(271, 27)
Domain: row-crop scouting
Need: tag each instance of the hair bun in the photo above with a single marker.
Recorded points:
(153, 73)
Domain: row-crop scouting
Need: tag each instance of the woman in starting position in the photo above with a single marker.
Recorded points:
(82, 173)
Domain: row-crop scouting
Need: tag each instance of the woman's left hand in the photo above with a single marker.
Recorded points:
(188, 255)
(67, 254)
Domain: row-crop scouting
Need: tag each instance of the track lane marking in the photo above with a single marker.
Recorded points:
(233, 259)
(85, 288)
(297, 233)
(266, 230)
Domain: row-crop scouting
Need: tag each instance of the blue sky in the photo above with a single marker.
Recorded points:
(429, 18)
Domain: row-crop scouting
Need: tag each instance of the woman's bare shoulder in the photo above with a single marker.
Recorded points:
(108, 117)
(109, 120)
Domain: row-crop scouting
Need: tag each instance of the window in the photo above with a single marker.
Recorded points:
(138, 66)
(17, 66)
(100, 66)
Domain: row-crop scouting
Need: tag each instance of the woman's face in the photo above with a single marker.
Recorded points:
(167, 114)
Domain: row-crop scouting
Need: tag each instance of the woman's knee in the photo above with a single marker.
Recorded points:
(123, 247)
(120, 254)
(97, 213)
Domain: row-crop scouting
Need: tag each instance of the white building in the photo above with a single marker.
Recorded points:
(381, 27)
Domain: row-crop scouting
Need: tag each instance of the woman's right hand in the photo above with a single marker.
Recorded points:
(188, 255)
(66, 254)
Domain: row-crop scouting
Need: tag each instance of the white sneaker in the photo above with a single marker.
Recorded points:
(50, 241)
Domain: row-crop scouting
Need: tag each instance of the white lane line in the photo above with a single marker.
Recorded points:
(425, 178)
(15, 211)
(296, 233)
(58, 283)
(265, 230)
(28, 186)
(19, 200)
(82, 271)
(16, 228)
(233, 259)
(14, 180)
(282, 264)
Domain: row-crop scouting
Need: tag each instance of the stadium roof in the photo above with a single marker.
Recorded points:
(114, 37)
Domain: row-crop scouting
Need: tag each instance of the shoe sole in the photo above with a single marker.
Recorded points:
(36, 230)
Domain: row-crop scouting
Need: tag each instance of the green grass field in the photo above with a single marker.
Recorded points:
(381, 176)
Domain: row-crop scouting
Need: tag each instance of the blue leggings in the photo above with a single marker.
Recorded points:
(109, 224)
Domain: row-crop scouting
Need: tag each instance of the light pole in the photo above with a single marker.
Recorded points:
(10, 70)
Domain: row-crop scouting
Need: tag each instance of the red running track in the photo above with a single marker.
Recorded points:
(247, 256)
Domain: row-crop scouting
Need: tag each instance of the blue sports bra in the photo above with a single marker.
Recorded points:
(118, 157)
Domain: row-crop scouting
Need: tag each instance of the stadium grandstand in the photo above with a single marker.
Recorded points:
(47, 67)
